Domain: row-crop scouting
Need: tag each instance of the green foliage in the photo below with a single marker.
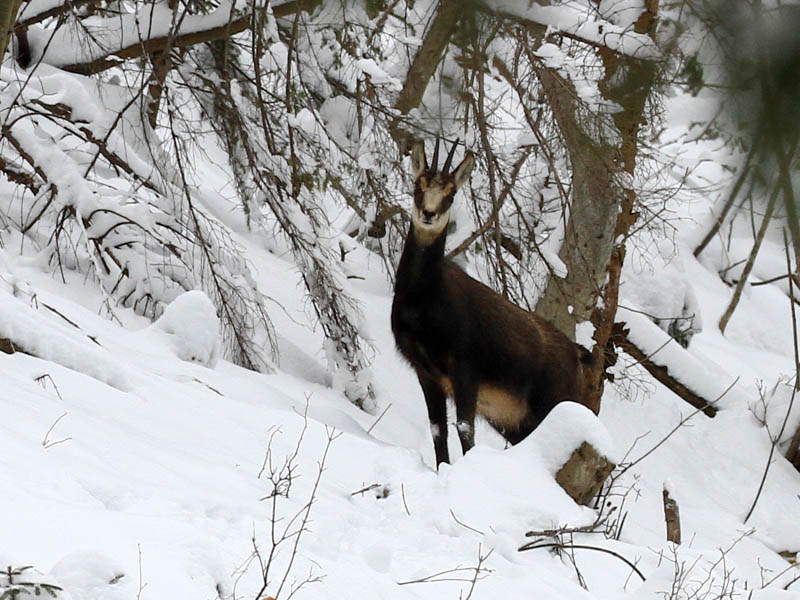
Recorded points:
(692, 74)
(375, 7)
(14, 584)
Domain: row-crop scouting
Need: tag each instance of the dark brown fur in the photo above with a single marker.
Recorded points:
(468, 342)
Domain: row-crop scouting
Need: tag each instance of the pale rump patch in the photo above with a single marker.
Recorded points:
(501, 407)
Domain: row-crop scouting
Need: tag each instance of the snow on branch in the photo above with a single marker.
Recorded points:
(580, 26)
(94, 44)
(97, 203)
(86, 46)
(284, 158)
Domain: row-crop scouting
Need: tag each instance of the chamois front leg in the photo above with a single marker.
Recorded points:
(436, 399)
(465, 392)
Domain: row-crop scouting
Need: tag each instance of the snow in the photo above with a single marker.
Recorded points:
(377, 75)
(575, 20)
(104, 36)
(44, 337)
(192, 324)
(563, 430)
(661, 290)
(158, 486)
(137, 463)
(778, 407)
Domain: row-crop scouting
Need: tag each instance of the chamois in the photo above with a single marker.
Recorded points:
(463, 339)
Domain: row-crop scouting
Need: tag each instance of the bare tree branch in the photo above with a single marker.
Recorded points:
(235, 24)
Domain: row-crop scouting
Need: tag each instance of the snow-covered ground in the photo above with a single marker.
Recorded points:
(135, 463)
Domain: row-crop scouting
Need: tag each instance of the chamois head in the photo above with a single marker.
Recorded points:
(434, 190)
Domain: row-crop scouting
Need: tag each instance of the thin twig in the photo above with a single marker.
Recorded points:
(791, 276)
(142, 585)
(559, 545)
(558, 531)
(464, 525)
(680, 424)
(479, 572)
(762, 231)
(776, 440)
(41, 379)
(731, 198)
(46, 442)
(795, 580)
(380, 416)
(478, 569)
(364, 490)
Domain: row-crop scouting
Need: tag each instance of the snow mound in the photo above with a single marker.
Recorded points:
(662, 291)
(778, 408)
(485, 488)
(36, 334)
(93, 576)
(567, 426)
(193, 326)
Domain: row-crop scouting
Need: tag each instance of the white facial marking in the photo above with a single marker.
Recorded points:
(430, 226)
(432, 200)
(433, 224)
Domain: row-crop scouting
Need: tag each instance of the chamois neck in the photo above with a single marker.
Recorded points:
(421, 261)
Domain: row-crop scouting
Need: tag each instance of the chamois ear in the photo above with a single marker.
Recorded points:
(462, 172)
(419, 164)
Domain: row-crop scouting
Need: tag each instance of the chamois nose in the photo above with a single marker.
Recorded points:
(428, 215)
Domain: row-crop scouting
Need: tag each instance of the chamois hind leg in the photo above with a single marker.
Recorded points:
(436, 399)
(465, 392)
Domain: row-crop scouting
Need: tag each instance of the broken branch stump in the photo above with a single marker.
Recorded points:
(583, 474)
(672, 517)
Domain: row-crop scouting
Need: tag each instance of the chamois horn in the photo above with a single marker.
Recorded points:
(449, 159)
(435, 160)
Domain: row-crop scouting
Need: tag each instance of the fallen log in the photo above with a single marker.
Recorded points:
(661, 373)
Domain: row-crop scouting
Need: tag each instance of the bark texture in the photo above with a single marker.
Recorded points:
(8, 16)
(603, 200)
(583, 474)
(427, 58)
(155, 45)
(672, 517)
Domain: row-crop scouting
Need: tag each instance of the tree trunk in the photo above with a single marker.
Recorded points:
(596, 197)
(602, 209)
(751, 260)
(427, 58)
(8, 16)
